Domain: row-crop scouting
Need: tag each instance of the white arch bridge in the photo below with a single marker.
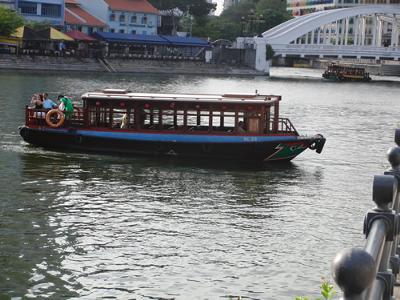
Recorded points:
(364, 31)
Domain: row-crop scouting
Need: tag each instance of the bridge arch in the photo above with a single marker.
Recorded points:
(293, 29)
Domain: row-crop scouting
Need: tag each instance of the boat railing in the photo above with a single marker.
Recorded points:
(281, 125)
(37, 117)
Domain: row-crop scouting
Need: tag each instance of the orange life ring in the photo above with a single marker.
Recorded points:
(55, 114)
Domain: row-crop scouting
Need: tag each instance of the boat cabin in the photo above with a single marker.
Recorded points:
(122, 110)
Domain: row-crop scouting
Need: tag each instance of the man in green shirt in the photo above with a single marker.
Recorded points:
(68, 107)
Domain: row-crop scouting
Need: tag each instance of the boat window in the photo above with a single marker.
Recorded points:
(123, 118)
(168, 119)
(99, 116)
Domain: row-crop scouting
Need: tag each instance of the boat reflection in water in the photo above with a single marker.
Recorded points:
(240, 127)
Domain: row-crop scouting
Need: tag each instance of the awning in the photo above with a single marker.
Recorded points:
(186, 41)
(30, 34)
(129, 38)
(80, 36)
(53, 34)
(151, 39)
(25, 33)
(9, 41)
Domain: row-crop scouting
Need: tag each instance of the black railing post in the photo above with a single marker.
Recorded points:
(370, 273)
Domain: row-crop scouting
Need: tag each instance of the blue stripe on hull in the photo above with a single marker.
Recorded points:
(174, 138)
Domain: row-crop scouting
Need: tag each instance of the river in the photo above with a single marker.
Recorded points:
(88, 226)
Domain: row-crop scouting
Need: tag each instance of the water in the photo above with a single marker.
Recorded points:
(92, 226)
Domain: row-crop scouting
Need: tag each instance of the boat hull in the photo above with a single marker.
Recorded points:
(335, 77)
(246, 148)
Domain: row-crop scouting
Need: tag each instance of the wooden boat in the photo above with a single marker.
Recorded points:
(238, 127)
(345, 73)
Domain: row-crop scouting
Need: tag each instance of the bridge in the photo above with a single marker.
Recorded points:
(365, 31)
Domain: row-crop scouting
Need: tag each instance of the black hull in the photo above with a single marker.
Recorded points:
(249, 151)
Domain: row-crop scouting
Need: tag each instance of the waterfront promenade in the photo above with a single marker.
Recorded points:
(119, 65)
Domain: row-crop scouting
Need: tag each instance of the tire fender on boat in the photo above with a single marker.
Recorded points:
(24, 132)
(318, 143)
(60, 118)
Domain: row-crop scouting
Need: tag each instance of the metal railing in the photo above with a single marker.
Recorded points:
(370, 272)
(37, 117)
(282, 126)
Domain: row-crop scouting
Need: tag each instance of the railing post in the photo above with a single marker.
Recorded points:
(393, 156)
(354, 271)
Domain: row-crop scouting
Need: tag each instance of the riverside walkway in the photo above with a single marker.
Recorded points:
(371, 272)
(118, 65)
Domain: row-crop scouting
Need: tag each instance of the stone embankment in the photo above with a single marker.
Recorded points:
(115, 65)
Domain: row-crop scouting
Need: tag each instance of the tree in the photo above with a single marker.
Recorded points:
(219, 28)
(38, 25)
(9, 21)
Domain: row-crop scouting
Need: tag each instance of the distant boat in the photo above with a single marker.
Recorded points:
(345, 73)
(245, 127)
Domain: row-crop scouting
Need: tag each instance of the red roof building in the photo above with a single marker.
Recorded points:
(138, 6)
(77, 18)
(124, 16)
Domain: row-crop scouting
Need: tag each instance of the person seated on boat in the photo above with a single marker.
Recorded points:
(124, 121)
(240, 127)
(37, 101)
(47, 102)
(66, 106)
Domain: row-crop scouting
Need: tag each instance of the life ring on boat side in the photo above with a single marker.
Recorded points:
(57, 115)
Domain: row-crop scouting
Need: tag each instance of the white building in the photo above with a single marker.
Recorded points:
(125, 16)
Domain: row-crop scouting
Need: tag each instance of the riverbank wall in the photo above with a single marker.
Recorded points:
(118, 65)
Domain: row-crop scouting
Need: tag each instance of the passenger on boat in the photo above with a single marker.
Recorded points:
(48, 103)
(240, 127)
(124, 121)
(37, 101)
(66, 106)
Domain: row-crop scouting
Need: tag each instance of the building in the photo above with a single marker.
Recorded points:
(49, 11)
(302, 7)
(11, 4)
(125, 16)
(77, 18)
(229, 3)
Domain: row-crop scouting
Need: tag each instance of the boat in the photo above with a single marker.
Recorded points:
(243, 127)
(339, 72)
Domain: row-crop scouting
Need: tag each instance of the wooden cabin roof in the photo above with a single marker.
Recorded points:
(117, 94)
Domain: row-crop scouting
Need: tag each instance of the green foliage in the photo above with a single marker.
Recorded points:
(218, 28)
(247, 18)
(9, 21)
(269, 52)
(38, 25)
(327, 292)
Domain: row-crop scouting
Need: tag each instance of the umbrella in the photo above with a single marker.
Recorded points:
(80, 36)
(53, 34)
